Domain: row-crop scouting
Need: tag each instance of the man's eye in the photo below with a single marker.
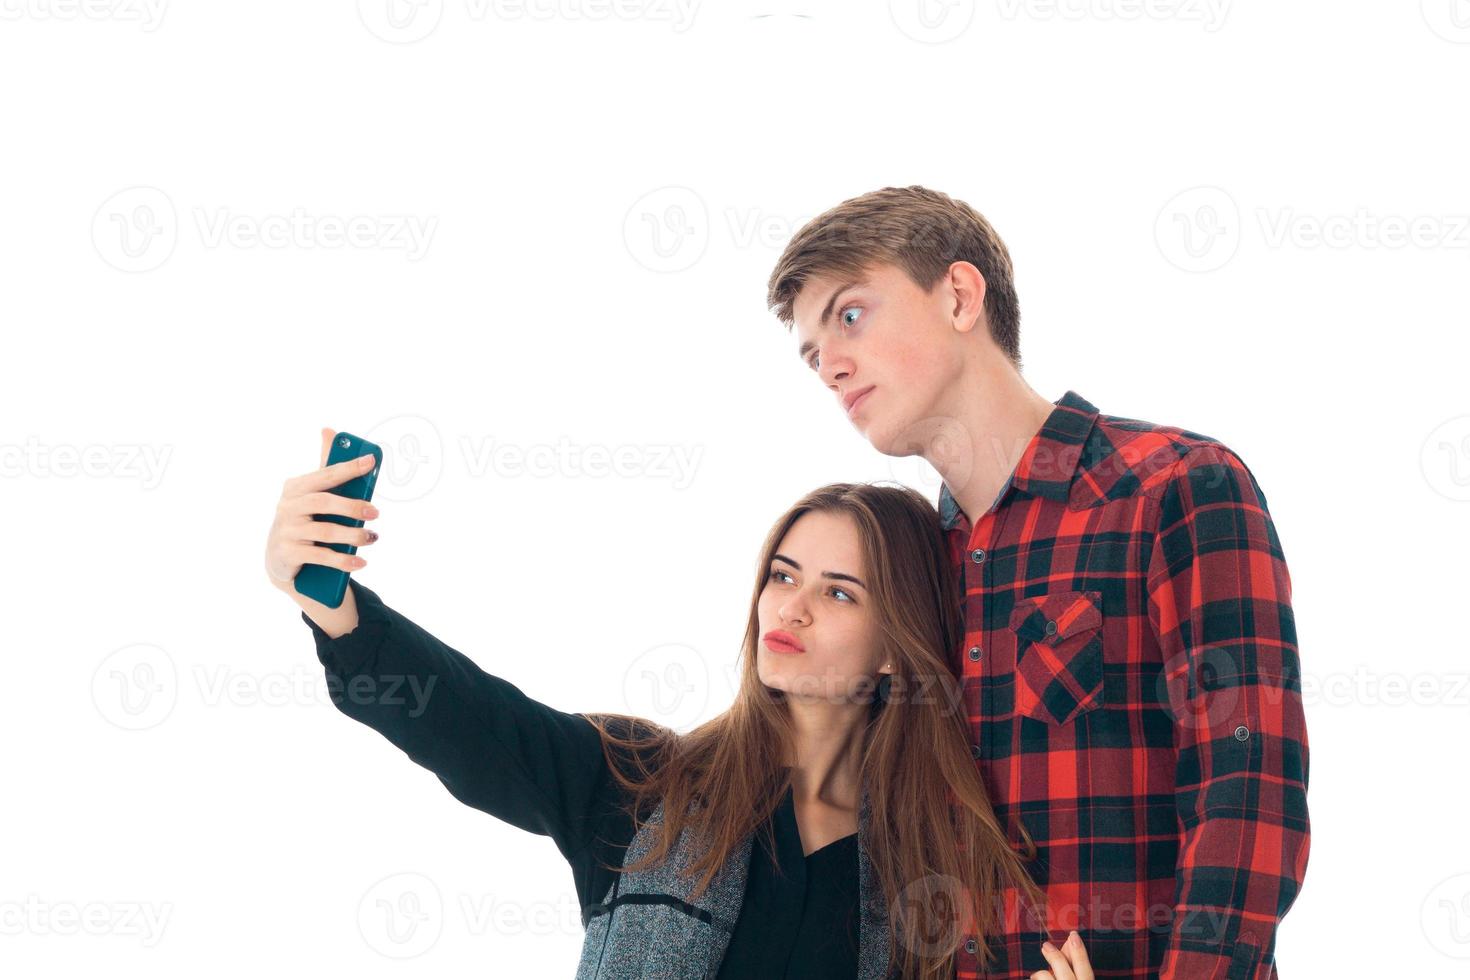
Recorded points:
(843, 316)
(814, 362)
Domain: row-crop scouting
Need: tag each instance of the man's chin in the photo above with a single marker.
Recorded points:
(905, 436)
(882, 437)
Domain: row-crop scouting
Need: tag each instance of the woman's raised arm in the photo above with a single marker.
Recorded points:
(493, 747)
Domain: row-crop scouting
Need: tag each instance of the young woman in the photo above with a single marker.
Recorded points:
(831, 823)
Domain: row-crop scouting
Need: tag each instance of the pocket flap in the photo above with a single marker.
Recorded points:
(1070, 612)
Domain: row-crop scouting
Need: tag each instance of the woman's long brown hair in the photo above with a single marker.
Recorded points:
(941, 856)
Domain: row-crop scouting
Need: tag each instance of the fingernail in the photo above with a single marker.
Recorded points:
(372, 536)
(1048, 947)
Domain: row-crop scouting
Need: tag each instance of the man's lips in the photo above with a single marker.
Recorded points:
(782, 642)
(857, 398)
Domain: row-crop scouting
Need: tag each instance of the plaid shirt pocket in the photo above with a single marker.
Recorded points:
(1059, 655)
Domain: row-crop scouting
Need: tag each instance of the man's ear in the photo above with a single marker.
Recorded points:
(967, 287)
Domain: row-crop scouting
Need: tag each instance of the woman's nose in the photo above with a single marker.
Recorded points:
(794, 612)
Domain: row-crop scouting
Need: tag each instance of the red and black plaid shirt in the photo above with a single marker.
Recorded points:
(1131, 678)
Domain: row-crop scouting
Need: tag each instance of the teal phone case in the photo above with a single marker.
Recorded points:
(323, 583)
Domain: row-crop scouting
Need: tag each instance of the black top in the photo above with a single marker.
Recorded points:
(802, 922)
(543, 770)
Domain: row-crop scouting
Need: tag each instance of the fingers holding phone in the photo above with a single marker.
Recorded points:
(319, 520)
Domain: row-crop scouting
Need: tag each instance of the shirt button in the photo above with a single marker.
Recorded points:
(1242, 733)
(974, 653)
(975, 751)
(978, 555)
(971, 946)
(1051, 627)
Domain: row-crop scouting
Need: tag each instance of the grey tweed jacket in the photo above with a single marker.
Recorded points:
(646, 927)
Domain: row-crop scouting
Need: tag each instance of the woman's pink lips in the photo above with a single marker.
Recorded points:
(779, 645)
(860, 399)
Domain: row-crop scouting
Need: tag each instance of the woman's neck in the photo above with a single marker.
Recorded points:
(828, 742)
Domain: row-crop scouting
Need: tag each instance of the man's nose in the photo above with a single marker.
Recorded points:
(837, 370)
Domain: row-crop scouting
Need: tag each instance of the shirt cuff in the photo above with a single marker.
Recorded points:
(348, 652)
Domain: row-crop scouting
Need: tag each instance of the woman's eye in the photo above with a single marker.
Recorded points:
(776, 575)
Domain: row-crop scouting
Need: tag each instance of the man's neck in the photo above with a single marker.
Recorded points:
(996, 414)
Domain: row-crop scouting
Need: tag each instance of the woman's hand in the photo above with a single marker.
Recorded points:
(1068, 963)
(291, 542)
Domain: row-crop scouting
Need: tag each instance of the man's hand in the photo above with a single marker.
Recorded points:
(1068, 963)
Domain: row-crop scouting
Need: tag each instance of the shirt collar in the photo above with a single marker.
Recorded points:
(1049, 462)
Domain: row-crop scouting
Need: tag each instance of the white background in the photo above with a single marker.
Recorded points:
(1249, 220)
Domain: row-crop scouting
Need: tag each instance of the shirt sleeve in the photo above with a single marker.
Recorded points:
(492, 747)
(1220, 606)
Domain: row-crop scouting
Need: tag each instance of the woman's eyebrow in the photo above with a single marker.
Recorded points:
(837, 575)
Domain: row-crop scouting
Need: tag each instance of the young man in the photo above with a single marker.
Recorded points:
(1130, 669)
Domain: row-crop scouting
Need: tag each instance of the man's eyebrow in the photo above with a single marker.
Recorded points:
(826, 312)
(837, 575)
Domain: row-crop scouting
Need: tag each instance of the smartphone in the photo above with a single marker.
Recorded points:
(323, 583)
